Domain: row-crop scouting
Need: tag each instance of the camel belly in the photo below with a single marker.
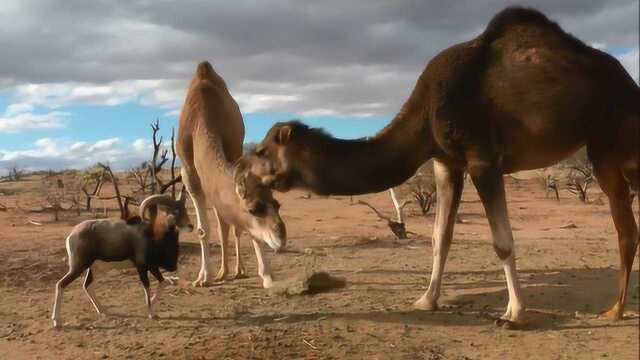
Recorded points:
(527, 148)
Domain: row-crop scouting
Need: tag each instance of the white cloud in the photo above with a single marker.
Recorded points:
(250, 103)
(139, 144)
(103, 145)
(18, 108)
(172, 113)
(156, 92)
(30, 121)
(631, 62)
(51, 153)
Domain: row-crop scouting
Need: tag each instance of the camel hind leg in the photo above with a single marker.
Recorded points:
(610, 171)
(223, 235)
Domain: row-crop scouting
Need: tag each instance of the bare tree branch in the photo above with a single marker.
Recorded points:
(123, 211)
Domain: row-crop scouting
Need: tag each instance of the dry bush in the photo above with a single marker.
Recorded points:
(422, 188)
(14, 173)
(61, 193)
(580, 178)
(551, 183)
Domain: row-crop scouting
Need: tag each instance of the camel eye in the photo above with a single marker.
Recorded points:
(258, 209)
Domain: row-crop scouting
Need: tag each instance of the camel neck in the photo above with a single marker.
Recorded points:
(351, 167)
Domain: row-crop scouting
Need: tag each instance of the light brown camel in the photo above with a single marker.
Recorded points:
(522, 95)
(210, 137)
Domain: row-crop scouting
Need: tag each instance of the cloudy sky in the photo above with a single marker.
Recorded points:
(80, 81)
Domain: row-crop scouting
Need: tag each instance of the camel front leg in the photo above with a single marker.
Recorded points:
(240, 271)
(449, 184)
(490, 185)
(264, 270)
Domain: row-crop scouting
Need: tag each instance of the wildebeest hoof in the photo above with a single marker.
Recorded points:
(509, 325)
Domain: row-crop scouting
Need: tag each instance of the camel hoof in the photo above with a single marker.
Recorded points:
(267, 283)
(152, 317)
(424, 304)
(509, 325)
(201, 233)
(612, 314)
(239, 276)
(201, 283)
(57, 323)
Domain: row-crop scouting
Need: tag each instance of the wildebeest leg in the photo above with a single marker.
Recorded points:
(161, 284)
(264, 270)
(144, 278)
(240, 271)
(88, 280)
(449, 184)
(612, 182)
(73, 274)
(490, 185)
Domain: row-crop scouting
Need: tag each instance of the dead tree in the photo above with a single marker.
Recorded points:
(397, 227)
(580, 178)
(92, 176)
(140, 174)
(156, 165)
(123, 212)
(551, 184)
(15, 173)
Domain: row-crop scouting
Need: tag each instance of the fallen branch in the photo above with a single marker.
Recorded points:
(397, 228)
(33, 222)
(309, 344)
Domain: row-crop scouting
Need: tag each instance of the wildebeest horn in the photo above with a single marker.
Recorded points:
(158, 199)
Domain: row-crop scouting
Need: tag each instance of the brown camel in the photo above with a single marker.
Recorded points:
(522, 95)
(210, 137)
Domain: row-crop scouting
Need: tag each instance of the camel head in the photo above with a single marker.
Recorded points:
(257, 200)
(274, 161)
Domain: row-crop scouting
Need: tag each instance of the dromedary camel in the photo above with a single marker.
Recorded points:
(210, 137)
(522, 95)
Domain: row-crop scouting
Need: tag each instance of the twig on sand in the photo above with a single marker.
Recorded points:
(309, 344)
(33, 222)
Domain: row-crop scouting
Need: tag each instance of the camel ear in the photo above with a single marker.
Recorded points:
(284, 135)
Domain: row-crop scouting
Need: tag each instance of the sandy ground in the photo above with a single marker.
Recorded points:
(568, 274)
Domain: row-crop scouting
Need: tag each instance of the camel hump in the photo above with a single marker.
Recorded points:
(204, 70)
(513, 16)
